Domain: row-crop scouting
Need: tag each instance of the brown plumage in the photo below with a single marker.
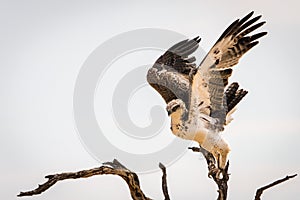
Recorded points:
(171, 73)
(197, 99)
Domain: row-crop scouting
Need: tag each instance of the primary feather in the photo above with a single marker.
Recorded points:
(198, 101)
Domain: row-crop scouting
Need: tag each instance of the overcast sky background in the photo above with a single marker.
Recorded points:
(45, 43)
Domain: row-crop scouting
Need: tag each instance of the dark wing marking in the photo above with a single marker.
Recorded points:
(170, 73)
(215, 69)
(239, 43)
(234, 95)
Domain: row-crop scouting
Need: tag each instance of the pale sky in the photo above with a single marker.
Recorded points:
(44, 45)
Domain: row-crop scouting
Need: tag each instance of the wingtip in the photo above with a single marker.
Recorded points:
(252, 44)
(197, 39)
(245, 92)
(236, 21)
(235, 83)
(257, 36)
(264, 33)
(261, 24)
(249, 14)
(257, 17)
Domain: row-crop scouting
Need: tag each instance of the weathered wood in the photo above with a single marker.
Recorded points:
(164, 181)
(211, 164)
(114, 168)
(262, 189)
(132, 180)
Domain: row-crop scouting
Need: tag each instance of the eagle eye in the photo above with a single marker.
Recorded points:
(175, 108)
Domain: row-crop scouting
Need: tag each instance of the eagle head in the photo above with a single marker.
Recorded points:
(175, 105)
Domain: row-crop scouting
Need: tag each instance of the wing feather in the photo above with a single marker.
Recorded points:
(175, 75)
(170, 73)
(212, 75)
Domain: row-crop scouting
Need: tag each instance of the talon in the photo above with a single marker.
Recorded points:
(219, 173)
(214, 172)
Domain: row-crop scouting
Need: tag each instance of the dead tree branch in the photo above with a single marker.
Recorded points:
(132, 180)
(262, 189)
(164, 181)
(114, 168)
(211, 164)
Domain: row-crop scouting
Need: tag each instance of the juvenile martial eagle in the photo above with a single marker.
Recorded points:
(197, 99)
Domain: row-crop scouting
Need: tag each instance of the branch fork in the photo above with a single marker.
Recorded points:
(132, 179)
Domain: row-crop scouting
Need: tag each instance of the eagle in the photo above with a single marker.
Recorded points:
(199, 100)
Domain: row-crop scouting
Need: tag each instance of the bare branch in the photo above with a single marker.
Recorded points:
(211, 164)
(132, 180)
(164, 181)
(262, 189)
(114, 168)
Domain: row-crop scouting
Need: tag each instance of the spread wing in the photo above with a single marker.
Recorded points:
(211, 78)
(170, 73)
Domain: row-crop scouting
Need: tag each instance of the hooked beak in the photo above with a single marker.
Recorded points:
(169, 112)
